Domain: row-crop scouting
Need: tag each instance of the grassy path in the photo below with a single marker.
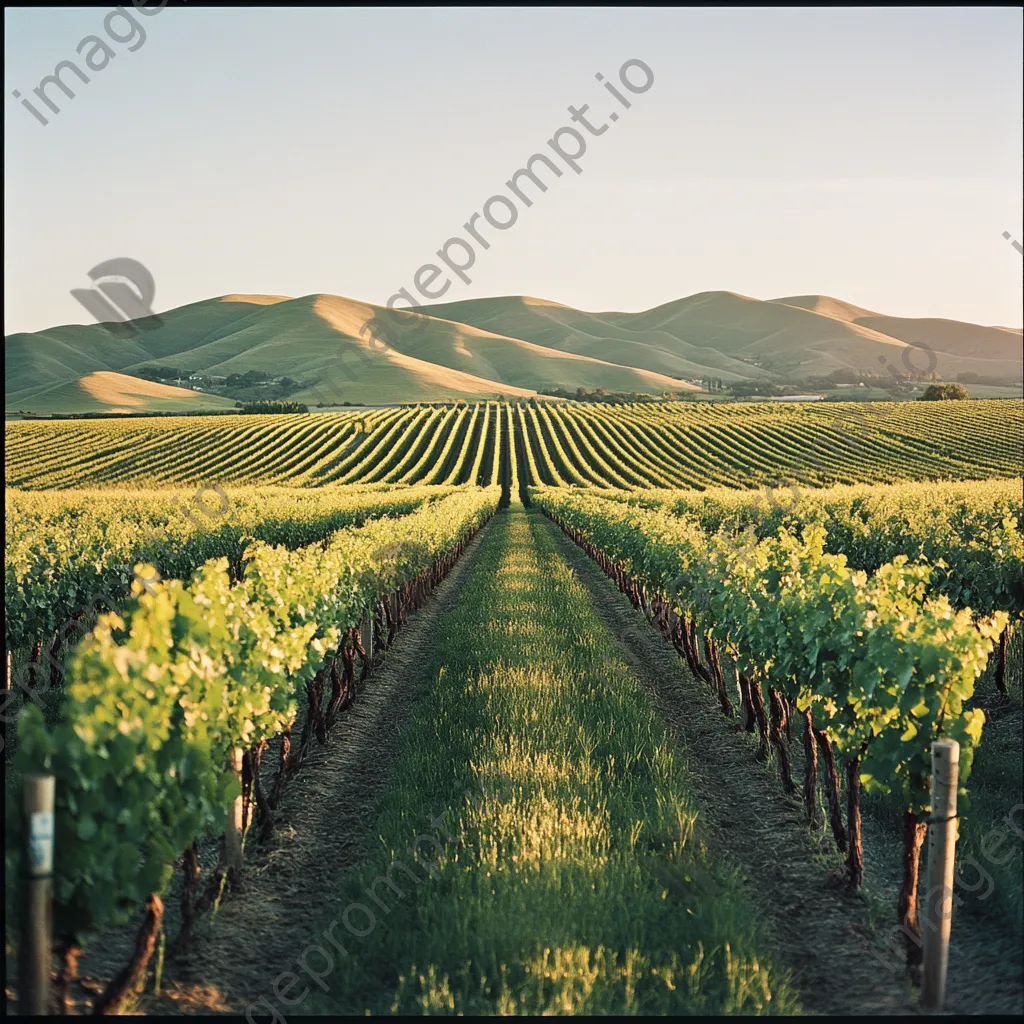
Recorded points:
(538, 849)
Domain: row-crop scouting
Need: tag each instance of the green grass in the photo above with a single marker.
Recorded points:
(562, 868)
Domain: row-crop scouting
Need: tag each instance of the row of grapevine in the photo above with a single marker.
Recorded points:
(875, 668)
(355, 438)
(970, 532)
(973, 527)
(540, 469)
(446, 463)
(673, 446)
(195, 451)
(472, 447)
(424, 456)
(661, 445)
(378, 445)
(170, 702)
(69, 551)
(498, 440)
(516, 456)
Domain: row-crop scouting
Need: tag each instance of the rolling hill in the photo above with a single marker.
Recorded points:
(736, 337)
(106, 391)
(510, 346)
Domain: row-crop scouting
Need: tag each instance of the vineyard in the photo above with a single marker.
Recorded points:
(673, 445)
(517, 708)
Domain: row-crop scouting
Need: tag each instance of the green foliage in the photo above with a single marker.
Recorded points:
(969, 532)
(69, 551)
(945, 393)
(884, 667)
(165, 374)
(160, 694)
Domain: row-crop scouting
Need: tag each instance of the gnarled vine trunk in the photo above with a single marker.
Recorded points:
(914, 832)
(70, 953)
(124, 984)
(749, 718)
(780, 740)
(835, 813)
(1004, 643)
(756, 698)
(189, 909)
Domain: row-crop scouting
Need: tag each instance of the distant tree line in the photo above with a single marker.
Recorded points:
(253, 385)
(980, 378)
(123, 415)
(609, 397)
(271, 407)
(158, 373)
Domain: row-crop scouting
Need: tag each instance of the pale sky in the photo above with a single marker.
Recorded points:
(874, 155)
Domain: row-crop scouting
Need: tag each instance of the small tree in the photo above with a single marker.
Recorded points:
(944, 393)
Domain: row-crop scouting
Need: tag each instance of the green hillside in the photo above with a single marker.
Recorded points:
(508, 347)
(736, 337)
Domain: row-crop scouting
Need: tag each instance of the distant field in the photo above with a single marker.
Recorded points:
(677, 445)
(993, 391)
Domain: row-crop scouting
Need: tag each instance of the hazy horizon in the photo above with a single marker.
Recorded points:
(871, 155)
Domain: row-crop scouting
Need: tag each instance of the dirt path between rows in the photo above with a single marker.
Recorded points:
(820, 933)
(324, 820)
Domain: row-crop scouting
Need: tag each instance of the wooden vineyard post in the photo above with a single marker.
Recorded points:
(938, 910)
(37, 930)
(366, 635)
(233, 833)
(8, 697)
